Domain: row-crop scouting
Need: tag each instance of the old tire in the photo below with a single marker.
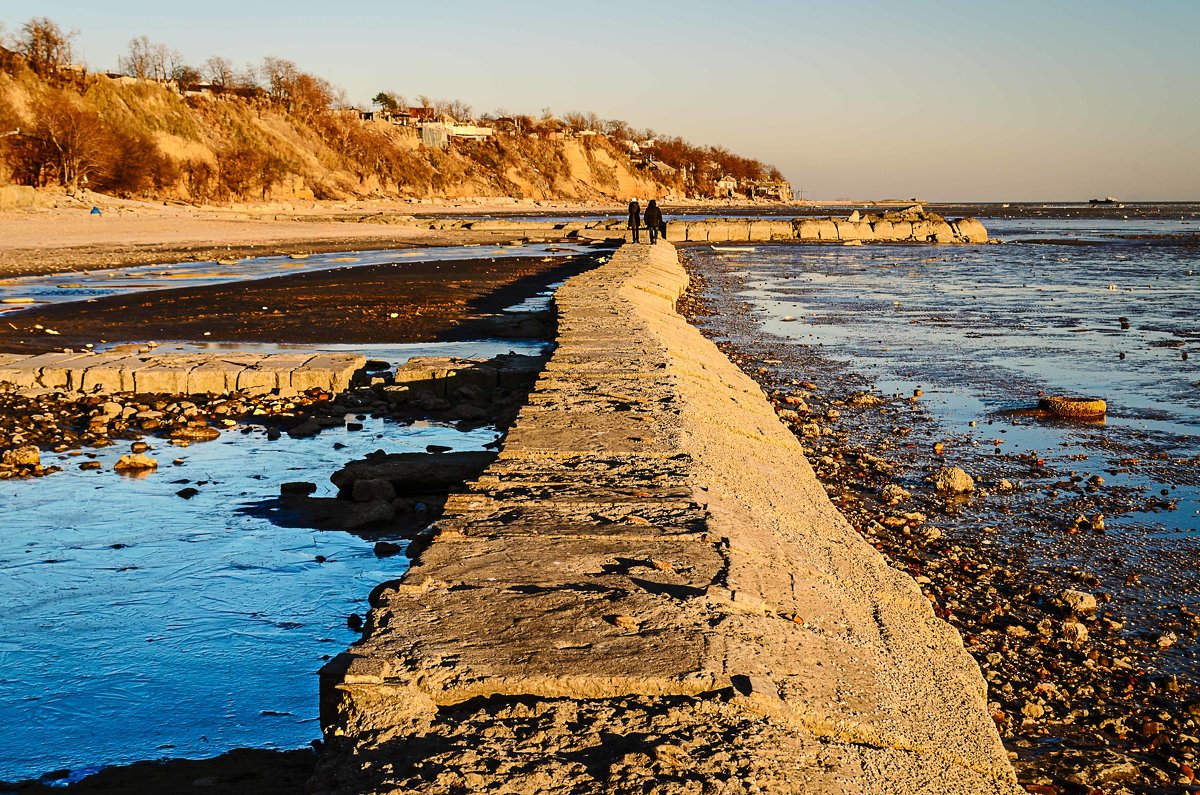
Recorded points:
(1074, 408)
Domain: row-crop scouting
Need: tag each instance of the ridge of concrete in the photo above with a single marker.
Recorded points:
(649, 588)
(180, 373)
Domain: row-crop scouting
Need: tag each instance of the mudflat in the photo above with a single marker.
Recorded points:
(411, 301)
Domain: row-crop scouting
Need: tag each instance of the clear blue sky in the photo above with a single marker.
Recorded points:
(1014, 100)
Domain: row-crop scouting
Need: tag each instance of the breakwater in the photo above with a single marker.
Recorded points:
(649, 586)
(910, 225)
(147, 372)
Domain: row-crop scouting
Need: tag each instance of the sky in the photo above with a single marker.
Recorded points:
(1019, 100)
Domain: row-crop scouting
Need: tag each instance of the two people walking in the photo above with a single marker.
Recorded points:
(654, 220)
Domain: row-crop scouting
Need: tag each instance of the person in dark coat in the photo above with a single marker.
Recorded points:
(653, 220)
(635, 218)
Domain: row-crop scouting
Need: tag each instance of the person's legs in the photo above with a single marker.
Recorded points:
(653, 233)
(635, 233)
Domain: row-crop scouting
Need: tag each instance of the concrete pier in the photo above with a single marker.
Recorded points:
(648, 590)
(180, 373)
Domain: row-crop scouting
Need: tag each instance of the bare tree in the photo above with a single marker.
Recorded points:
(45, 46)
(167, 62)
(147, 60)
(74, 139)
(247, 78)
(278, 76)
(138, 61)
(219, 71)
(460, 110)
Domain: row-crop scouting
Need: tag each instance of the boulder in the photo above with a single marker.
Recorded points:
(327, 513)
(368, 490)
(1080, 603)
(953, 480)
(854, 230)
(415, 472)
(970, 230)
(826, 230)
(807, 229)
(135, 462)
(943, 232)
(27, 456)
(310, 427)
(883, 230)
(196, 432)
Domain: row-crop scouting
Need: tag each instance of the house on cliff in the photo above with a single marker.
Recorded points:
(727, 186)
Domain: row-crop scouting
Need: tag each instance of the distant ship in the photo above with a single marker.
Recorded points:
(1105, 200)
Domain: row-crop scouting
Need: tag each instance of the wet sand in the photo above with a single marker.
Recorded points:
(431, 301)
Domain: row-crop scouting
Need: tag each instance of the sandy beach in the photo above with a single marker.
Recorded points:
(61, 234)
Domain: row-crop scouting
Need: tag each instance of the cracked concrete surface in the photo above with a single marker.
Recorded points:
(648, 591)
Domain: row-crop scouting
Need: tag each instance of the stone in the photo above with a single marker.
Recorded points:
(1074, 632)
(1079, 603)
(415, 472)
(26, 456)
(953, 480)
(307, 428)
(297, 488)
(196, 432)
(135, 462)
(370, 490)
(970, 230)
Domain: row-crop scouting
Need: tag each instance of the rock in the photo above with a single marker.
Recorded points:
(310, 427)
(953, 480)
(27, 456)
(327, 513)
(187, 493)
(1074, 632)
(369, 490)
(386, 549)
(892, 494)
(196, 432)
(87, 465)
(135, 462)
(970, 230)
(415, 472)
(1166, 640)
(297, 489)
(1078, 602)
(139, 447)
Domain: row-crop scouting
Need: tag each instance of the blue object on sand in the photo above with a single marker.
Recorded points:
(95, 210)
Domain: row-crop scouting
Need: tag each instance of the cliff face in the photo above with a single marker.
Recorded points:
(141, 138)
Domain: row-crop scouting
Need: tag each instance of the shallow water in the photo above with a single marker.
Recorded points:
(86, 285)
(983, 329)
(140, 625)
